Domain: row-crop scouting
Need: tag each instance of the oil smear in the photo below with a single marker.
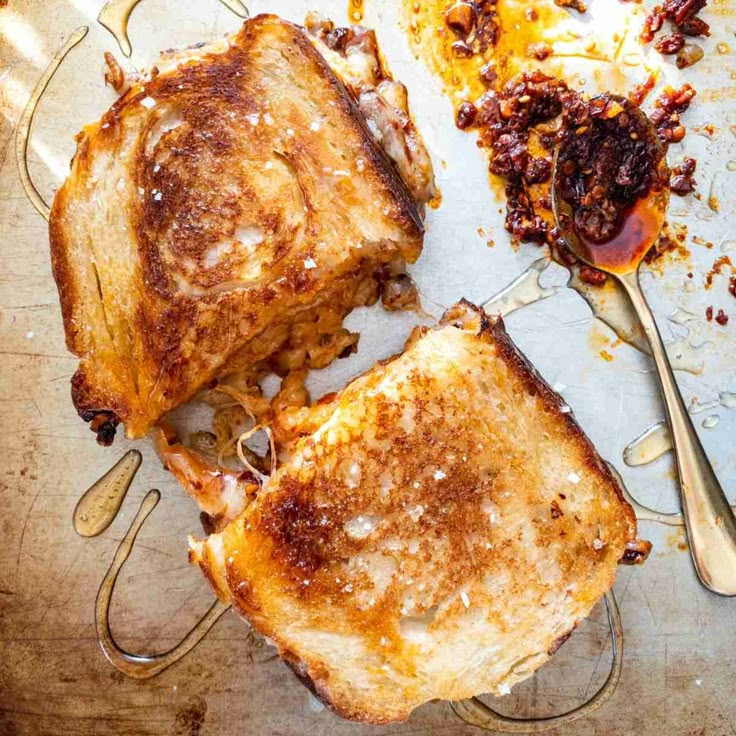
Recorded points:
(644, 513)
(727, 399)
(100, 504)
(143, 666)
(522, 291)
(115, 14)
(649, 446)
(23, 132)
(610, 305)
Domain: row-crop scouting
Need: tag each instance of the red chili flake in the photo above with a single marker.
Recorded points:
(592, 275)
(709, 314)
(722, 318)
(670, 44)
(653, 21)
(639, 93)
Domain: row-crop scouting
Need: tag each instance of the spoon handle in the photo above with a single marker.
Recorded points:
(709, 520)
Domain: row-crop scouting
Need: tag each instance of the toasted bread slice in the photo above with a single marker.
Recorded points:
(233, 195)
(441, 531)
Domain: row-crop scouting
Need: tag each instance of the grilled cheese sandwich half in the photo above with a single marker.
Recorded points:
(441, 527)
(233, 194)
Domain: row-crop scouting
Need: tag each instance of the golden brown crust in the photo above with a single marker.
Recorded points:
(536, 385)
(445, 521)
(229, 193)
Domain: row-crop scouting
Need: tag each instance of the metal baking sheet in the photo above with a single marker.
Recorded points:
(678, 670)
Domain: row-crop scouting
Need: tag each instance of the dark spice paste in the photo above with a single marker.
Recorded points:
(609, 159)
(521, 124)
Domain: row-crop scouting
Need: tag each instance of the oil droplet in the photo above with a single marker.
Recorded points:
(681, 316)
(100, 504)
(684, 356)
(525, 289)
(711, 421)
(115, 14)
(650, 445)
(143, 666)
(696, 407)
(23, 131)
(731, 165)
(728, 246)
(727, 399)
(355, 11)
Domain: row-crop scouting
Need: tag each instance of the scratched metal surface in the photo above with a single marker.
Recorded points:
(679, 669)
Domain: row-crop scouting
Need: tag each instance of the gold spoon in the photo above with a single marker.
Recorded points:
(709, 520)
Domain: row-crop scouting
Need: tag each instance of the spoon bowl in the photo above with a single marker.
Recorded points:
(639, 225)
(709, 519)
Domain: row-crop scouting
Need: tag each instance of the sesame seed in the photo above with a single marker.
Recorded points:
(464, 598)
(574, 478)
(148, 103)
(439, 475)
